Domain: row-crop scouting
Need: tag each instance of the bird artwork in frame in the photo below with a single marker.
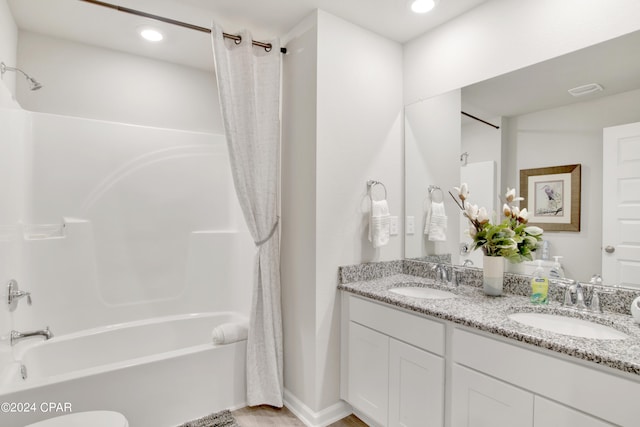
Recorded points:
(552, 196)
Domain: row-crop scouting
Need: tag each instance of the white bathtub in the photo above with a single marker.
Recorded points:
(159, 372)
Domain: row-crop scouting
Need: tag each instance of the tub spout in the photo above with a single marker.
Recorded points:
(18, 336)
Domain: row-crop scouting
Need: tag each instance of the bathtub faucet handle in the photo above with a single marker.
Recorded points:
(14, 294)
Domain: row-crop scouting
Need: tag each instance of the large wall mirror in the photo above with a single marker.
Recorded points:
(532, 121)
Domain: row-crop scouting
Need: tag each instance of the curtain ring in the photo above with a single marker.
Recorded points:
(268, 48)
(238, 40)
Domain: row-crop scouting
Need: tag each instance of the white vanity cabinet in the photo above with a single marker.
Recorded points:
(394, 363)
(396, 372)
(496, 383)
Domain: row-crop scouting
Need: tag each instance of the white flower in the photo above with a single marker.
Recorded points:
(463, 191)
(506, 210)
(510, 196)
(471, 211)
(533, 230)
(515, 211)
(483, 216)
(523, 216)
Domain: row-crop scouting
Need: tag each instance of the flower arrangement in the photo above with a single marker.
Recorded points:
(512, 238)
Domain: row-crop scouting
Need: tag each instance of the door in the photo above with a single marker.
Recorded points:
(481, 401)
(369, 372)
(621, 205)
(416, 387)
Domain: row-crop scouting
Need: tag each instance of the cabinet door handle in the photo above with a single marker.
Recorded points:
(609, 249)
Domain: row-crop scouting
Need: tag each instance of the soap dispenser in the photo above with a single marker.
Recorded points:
(539, 286)
(556, 272)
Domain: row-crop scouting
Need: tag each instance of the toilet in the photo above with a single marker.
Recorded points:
(85, 419)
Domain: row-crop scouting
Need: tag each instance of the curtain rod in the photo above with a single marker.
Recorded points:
(478, 119)
(266, 46)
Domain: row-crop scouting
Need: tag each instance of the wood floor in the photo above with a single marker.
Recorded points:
(265, 416)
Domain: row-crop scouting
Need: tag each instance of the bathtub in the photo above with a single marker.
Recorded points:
(159, 372)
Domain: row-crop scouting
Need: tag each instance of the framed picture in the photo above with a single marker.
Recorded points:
(552, 197)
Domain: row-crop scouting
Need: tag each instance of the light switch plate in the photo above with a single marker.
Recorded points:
(411, 224)
(393, 225)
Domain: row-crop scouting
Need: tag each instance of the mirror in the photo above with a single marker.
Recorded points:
(537, 124)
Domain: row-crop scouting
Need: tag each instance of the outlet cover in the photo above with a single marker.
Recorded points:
(411, 224)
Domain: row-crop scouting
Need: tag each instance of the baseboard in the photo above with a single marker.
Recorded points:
(310, 418)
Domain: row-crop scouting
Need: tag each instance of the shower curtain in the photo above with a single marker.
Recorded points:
(249, 86)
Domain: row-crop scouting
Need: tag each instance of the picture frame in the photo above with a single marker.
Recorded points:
(552, 196)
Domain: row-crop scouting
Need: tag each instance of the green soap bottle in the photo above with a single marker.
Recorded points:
(539, 286)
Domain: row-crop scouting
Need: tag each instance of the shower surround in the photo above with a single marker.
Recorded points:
(111, 226)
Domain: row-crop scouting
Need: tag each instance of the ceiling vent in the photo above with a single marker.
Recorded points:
(585, 89)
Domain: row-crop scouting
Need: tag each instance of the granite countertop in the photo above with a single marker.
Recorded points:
(473, 309)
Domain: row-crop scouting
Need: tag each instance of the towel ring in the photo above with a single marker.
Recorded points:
(433, 190)
(370, 184)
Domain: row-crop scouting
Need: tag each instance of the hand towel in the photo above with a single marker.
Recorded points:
(436, 224)
(228, 333)
(379, 220)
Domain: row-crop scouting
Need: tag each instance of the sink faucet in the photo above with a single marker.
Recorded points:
(442, 274)
(576, 288)
(18, 336)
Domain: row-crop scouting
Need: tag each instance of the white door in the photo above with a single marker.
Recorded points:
(369, 372)
(482, 401)
(548, 413)
(621, 205)
(416, 387)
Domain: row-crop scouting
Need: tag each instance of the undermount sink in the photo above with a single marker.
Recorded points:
(422, 292)
(568, 326)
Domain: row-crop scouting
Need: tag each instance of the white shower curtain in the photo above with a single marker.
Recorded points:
(249, 85)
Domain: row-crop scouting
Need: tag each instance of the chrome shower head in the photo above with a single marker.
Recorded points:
(33, 83)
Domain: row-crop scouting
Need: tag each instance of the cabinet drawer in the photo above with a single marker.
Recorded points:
(415, 330)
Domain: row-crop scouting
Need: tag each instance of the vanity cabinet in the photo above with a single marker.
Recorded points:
(496, 383)
(404, 369)
(395, 365)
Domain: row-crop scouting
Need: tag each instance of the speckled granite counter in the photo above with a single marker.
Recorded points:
(473, 309)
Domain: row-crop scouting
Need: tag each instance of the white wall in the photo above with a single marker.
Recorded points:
(570, 135)
(8, 43)
(357, 122)
(298, 209)
(98, 83)
(504, 35)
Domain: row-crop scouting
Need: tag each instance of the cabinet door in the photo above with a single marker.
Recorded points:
(481, 401)
(416, 387)
(369, 372)
(548, 413)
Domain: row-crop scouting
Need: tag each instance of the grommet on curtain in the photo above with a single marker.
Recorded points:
(238, 40)
(273, 230)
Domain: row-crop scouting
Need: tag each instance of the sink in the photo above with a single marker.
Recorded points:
(568, 326)
(422, 292)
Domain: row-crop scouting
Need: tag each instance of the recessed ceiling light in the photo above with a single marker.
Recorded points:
(151, 35)
(585, 89)
(423, 6)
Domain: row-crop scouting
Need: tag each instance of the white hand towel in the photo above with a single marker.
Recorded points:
(436, 224)
(228, 333)
(379, 221)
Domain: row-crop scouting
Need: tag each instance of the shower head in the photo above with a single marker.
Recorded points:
(33, 83)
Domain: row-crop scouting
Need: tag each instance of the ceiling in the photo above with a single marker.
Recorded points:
(95, 25)
(614, 64)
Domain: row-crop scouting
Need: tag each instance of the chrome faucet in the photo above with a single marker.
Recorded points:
(14, 294)
(18, 336)
(442, 274)
(575, 288)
